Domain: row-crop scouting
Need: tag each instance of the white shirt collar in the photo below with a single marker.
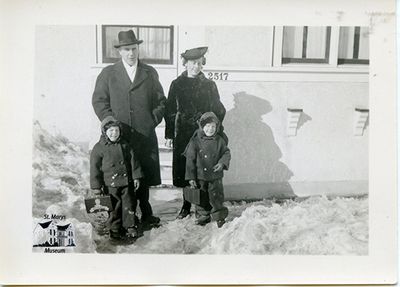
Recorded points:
(131, 70)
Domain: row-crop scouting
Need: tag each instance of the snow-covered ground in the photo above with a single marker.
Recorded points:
(315, 225)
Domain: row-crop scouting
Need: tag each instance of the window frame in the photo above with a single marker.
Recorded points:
(274, 71)
(303, 59)
(354, 60)
(101, 44)
(333, 60)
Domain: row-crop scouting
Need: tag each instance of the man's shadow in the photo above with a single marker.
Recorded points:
(256, 170)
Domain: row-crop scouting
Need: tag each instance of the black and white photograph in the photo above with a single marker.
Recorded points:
(269, 124)
(212, 141)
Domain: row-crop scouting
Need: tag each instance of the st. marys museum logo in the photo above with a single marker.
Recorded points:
(53, 234)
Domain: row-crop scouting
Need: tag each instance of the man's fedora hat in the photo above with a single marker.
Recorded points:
(127, 38)
(194, 53)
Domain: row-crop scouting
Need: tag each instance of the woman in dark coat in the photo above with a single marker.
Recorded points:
(190, 96)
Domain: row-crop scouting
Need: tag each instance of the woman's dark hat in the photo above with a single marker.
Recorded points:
(127, 38)
(195, 53)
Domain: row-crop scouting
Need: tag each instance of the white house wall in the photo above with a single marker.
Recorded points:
(63, 79)
(325, 150)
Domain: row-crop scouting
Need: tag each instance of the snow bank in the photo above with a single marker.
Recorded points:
(60, 174)
(314, 226)
(60, 182)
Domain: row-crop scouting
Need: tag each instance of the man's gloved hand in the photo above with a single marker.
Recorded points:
(192, 183)
(136, 183)
(169, 143)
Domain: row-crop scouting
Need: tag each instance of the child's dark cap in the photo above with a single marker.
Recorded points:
(108, 122)
(208, 117)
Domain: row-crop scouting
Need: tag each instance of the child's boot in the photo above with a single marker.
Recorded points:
(203, 220)
(220, 223)
(183, 213)
(133, 232)
(150, 222)
(116, 238)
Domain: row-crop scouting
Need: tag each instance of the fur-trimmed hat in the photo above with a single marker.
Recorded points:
(208, 117)
(108, 122)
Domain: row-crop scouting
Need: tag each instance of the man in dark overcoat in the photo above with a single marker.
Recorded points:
(130, 92)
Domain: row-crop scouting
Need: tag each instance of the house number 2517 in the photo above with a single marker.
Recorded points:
(218, 76)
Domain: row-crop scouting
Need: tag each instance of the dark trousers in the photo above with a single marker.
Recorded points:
(142, 194)
(214, 207)
(186, 130)
(186, 204)
(146, 151)
(124, 204)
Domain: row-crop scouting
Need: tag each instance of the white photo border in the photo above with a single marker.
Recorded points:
(19, 265)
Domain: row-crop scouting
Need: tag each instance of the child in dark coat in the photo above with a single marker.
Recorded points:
(115, 171)
(207, 155)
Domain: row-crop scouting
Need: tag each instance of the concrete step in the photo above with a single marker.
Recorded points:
(166, 200)
(165, 157)
(166, 174)
(165, 150)
(160, 132)
(165, 154)
(166, 184)
(166, 163)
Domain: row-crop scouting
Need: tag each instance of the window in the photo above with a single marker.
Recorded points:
(353, 45)
(332, 46)
(306, 44)
(157, 46)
